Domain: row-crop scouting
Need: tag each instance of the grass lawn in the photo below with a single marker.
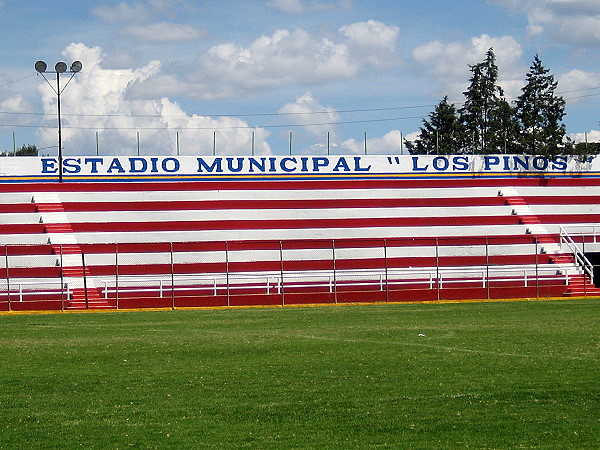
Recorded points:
(470, 375)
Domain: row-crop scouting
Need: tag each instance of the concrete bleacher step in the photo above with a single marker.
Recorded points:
(579, 285)
(527, 220)
(93, 301)
(527, 216)
(548, 240)
(83, 226)
(58, 228)
(91, 304)
(66, 249)
(562, 259)
(73, 272)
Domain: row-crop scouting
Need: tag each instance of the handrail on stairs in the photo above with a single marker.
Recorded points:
(578, 255)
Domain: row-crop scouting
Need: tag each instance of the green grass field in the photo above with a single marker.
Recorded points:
(470, 375)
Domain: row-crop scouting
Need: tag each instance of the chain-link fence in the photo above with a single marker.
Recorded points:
(197, 274)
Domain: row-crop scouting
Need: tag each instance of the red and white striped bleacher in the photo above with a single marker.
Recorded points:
(219, 243)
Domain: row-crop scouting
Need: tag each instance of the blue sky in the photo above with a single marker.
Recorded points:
(239, 76)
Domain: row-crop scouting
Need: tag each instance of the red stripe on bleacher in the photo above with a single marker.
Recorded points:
(300, 184)
(234, 224)
(281, 204)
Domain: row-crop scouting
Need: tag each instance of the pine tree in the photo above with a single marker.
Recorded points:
(540, 113)
(441, 134)
(485, 113)
(504, 137)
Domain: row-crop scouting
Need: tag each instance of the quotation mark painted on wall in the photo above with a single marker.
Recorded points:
(394, 160)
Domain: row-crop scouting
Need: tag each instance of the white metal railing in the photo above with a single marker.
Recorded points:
(585, 231)
(41, 289)
(579, 256)
(270, 283)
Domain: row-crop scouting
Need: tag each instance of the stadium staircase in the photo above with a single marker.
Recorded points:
(292, 242)
(63, 241)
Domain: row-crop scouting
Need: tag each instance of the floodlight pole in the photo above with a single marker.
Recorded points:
(60, 155)
(60, 67)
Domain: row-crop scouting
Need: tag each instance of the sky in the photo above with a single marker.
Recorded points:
(274, 77)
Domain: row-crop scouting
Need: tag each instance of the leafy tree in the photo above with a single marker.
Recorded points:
(540, 112)
(504, 134)
(25, 150)
(583, 150)
(441, 134)
(485, 113)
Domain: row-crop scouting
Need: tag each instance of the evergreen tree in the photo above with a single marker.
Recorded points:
(485, 113)
(540, 113)
(504, 137)
(441, 134)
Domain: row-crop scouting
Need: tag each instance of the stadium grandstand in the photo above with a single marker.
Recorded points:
(160, 232)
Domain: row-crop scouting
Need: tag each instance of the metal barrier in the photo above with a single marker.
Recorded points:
(250, 272)
(578, 255)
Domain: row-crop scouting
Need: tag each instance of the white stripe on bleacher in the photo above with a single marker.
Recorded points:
(256, 214)
(277, 194)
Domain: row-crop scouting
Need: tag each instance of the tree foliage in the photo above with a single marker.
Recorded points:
(482, 112)
(25, 150)
(540, 113)
(441, 134)
(488, 123)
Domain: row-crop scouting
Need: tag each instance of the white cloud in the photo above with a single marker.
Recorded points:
(307, 111)
(570, 21)
(283, 58)
(590, 136)
(301, 6)
(16, 104)
(288, 6)
(97, 100)
(123, 12)
(389, 144)
(372, 34)
(163, 32)
(449, 63)
(574, 82)
(293, 57)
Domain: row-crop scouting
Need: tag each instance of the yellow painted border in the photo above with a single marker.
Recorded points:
(295, 305)
(298, 176)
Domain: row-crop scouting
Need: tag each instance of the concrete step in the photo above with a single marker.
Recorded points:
(562, 259)
(529, 220)
(102, 304)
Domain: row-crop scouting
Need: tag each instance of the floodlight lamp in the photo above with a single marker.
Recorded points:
(76, 66)
(60, 67)
(40, 66)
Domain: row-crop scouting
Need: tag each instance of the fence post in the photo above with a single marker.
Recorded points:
(85, 289)
(172, 277)
(7, 276)
(537, 274)
(335, 299)
(117, 274)
(487, 267)
(437, 267)
(385, 261)
(227, 271)
(62, 280)
(281, 268)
